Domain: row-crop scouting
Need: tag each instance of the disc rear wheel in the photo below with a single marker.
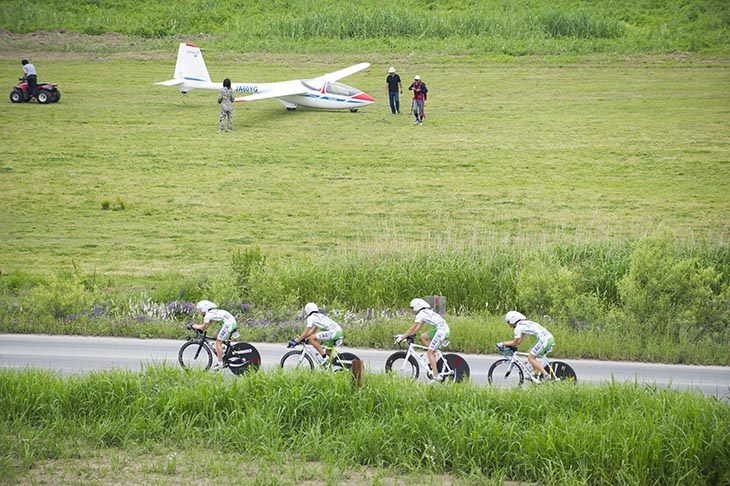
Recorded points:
(563, 371)
(344, 360)
(244, 357)
(458, 365)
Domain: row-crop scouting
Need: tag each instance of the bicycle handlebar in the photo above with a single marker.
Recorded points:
(197, 332)
(507, 351)
(408, 339)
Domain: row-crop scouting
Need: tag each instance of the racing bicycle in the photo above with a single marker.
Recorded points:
(306, 357)
(198, 351)
(409, 363)
(514, 368)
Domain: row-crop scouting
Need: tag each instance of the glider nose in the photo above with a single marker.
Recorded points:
(364, 97)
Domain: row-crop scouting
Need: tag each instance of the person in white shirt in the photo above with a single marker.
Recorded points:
(320, 328)
(228, 327)
(432, 338)
(522, 326)
(31, 76)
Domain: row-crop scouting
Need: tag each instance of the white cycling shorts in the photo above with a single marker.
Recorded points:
(542, 346)
(224, 332)
(437, 339)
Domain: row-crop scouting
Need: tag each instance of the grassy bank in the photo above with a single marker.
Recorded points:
(585, 184)
(593, 193)
(525, 27)
(612, 434)
(645, 301)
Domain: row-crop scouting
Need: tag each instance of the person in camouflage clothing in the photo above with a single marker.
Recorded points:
(225, 99)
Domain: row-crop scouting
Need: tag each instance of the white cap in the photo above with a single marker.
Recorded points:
(417, 77)
(391, 70)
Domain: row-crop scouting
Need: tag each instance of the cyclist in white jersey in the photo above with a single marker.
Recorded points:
(228, 326)
(432, 338)
(330, 333)
(523, 326)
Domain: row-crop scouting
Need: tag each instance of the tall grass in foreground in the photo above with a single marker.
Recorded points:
(611, 434)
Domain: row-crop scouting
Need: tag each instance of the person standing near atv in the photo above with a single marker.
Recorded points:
(420, 94)
(225, 99)
(31, 76)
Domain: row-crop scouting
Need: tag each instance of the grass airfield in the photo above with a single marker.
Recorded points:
(529, 151)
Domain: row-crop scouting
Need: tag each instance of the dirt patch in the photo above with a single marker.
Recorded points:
(111, 467)
(62, 44)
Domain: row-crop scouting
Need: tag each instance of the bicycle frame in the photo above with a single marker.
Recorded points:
(513, 367)
(422, 359)
(209, 341)
(333, 357)
(519, 358)
(238, 356)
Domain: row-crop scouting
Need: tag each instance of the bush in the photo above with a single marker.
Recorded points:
(672, 295)
(548, 288)
(242, 265)
(59, 298)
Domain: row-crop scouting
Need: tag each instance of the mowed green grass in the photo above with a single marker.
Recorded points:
(528, 149)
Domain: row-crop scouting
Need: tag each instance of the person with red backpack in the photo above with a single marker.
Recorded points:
(420, 94)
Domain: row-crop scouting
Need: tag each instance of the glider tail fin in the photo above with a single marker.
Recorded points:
(190, 69)
(190, 63)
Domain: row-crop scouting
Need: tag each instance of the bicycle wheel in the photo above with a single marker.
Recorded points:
(195, 356)
(344, 360)
(296, 360)
(397, 364)
(503, 373)
(458, 365)
(562, 371)
(244, 357)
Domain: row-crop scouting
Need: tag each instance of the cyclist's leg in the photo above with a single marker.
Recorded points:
(427, 336)
(435, 338)
(335, 357)
(314, 341)
(326, 338)
(221, 336)
(538, 350)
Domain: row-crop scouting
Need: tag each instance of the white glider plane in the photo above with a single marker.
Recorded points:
(322, 92)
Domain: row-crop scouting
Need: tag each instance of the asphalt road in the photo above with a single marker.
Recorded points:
(74, 354)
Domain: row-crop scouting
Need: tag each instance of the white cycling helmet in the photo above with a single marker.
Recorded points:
(513, 317)
(391, 70)
(205, 305)
(417, 77)
(310, 308)
(418, 304)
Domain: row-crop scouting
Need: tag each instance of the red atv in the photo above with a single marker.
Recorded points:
(44, 92)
